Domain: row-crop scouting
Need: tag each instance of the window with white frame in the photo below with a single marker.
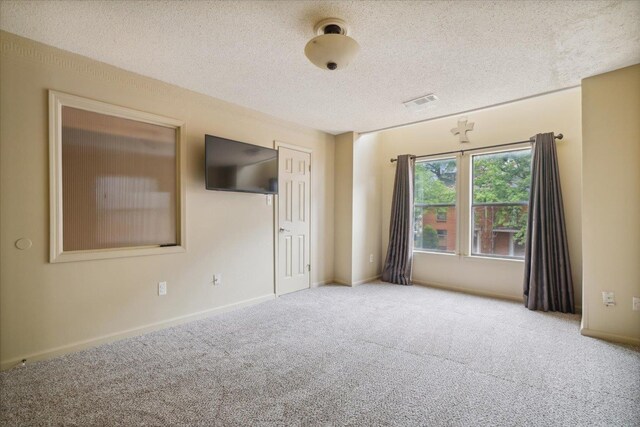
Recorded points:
(435, 205)
(115, 181)
(493, 201)
(499, 202)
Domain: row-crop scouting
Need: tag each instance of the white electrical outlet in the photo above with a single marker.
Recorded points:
(217, 279)
(608, 298)
(371, 258)
(162, 288)
(636, 303)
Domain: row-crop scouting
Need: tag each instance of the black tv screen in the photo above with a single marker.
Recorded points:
(238, 166)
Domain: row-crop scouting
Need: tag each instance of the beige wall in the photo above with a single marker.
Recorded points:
(367, 209)
(558, 112)
(358, 203)
(343, 207)
(611, 202)
(47, 309)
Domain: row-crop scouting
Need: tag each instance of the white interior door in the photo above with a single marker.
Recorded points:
(294, 201)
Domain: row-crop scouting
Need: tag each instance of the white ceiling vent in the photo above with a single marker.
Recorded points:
(421, 103)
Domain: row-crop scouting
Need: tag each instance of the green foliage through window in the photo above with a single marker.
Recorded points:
(435, 201)
(435, 182)
(503, 179)
(500, 184)
(429, 238)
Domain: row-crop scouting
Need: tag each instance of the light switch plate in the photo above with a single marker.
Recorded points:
(162, 288)
(636, 303)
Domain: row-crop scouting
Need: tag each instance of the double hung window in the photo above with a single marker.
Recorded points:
(435, 205)
(473, 204)
(500, 202)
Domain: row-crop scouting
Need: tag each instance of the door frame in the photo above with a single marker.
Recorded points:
(276, 220)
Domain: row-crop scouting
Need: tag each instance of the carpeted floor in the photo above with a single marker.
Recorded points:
(376, 354)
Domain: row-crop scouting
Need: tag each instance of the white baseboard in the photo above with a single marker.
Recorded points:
(93, 342)
(479, 292)
(370, 279)
(609, 337)
(359, 282)
(322, 283)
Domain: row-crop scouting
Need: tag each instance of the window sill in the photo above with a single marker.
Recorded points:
(494, 258)
(425, 251)
(115, 253)
(474, 258)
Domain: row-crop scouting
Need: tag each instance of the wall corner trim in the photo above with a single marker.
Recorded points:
(341, 282)
(322, 283)
(367, 280)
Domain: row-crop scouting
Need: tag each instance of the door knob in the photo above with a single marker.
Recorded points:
(282, 230)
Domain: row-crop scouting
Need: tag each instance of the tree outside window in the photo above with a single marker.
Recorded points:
(435, 205)
(500, 201)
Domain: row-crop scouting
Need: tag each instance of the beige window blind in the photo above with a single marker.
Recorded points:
(119, 182)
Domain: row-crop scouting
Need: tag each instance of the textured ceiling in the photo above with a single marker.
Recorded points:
(471, 54)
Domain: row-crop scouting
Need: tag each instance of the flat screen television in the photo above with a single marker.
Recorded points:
(238, 166)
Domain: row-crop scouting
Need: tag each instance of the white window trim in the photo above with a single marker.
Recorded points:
(464, 192)
(56, 254)
(466, 236)
(456, 251)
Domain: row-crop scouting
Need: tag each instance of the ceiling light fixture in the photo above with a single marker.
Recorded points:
(331, 49)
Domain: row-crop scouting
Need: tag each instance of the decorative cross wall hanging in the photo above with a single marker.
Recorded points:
(462, 129)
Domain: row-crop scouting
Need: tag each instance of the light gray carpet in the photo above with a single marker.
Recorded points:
(376, 354)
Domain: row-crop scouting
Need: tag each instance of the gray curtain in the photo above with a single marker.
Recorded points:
(547, 278)
(397, 266)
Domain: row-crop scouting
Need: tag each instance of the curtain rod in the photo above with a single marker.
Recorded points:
(558, 136)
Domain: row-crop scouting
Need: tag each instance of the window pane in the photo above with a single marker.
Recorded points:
(435, 205)
(118, 182)
(500, 202)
